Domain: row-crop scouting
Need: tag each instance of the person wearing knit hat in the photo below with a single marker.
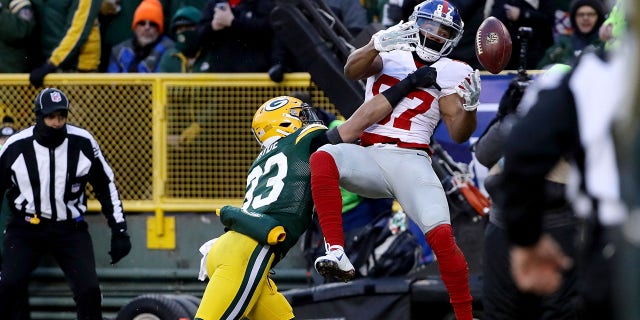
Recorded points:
(143, 52)
(149, 10)
(586, 18)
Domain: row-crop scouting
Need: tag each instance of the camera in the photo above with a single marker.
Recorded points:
(524, 33)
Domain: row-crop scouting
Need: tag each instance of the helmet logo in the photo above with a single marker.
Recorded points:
(276, 104)
(444, 12)
(55, 96)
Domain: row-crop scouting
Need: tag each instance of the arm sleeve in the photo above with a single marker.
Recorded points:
(536, 143)
(102, 179)
(489, 148)
(84, 15)
(259, 226)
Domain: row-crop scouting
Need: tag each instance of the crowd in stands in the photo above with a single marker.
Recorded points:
(118, 36)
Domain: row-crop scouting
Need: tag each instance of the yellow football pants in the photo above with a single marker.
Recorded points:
(239, 286)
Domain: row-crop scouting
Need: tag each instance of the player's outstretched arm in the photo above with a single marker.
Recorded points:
(363, 62)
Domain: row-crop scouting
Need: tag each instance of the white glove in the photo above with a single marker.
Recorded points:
(469, 90)
(204, 250)
(402, 36)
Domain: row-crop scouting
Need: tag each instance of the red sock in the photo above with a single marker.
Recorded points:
(325, 190)
(453, 270)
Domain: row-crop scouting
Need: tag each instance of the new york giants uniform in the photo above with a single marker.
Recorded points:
(393, 159)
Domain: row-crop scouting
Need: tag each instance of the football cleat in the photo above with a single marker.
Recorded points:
(335, 263)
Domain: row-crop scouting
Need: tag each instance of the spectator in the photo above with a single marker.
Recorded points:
(142, 52)
(187, 56)
(537, 15)
(501, 298)
(7, 129)
(70, 37)
(116, 17)
(586, 18)
(59, 158)
(278, 208)
(371, 168)
(17, 24)
(612, 29)
(171, 7)
(238, 35)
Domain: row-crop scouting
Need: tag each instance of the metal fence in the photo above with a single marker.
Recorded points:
(178, 142)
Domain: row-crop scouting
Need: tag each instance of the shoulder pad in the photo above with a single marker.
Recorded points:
(308, 129)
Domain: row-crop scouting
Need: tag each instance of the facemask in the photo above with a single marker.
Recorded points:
(187, 42)
(48, 136)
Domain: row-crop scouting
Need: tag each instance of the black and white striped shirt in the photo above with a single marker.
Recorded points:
(51, 182)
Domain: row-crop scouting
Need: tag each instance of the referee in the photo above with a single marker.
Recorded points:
(44, 170)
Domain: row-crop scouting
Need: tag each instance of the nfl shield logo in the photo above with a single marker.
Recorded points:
(55, 97)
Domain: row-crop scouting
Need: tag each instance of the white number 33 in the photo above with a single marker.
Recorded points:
(276, 168)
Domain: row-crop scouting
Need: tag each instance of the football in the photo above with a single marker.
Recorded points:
(493, 45)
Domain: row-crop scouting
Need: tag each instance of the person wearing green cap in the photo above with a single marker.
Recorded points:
(188, 55)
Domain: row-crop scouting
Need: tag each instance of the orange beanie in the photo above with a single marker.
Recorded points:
(149, 10)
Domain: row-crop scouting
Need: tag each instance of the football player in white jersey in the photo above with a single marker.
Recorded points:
(393, 158)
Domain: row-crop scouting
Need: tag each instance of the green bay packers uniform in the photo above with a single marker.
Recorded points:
(276, 210)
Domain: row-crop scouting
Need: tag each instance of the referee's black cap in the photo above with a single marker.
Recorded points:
(50, 100)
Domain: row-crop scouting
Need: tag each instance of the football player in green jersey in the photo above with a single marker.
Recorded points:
(277, 207)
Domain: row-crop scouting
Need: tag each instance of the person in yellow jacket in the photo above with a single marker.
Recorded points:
(69, 37)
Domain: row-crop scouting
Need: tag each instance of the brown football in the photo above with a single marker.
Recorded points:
(493, 45)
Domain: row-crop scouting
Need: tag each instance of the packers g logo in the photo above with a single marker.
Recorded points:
(277, 103)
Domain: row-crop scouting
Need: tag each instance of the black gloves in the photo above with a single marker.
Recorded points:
(37, 75)
(424, 77)
(120, 243)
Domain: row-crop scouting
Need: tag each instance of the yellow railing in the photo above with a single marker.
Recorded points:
(142, 123)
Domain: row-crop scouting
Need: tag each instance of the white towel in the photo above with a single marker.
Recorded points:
(204, 250)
